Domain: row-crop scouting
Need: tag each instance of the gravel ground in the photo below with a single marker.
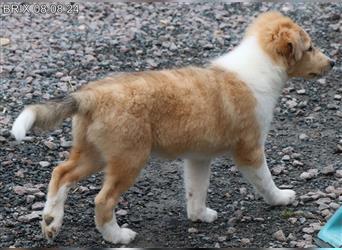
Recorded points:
(49, 55)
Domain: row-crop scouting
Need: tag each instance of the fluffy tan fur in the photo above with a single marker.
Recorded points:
(130, 115)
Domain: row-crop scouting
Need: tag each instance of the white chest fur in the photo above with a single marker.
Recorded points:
(266, 79)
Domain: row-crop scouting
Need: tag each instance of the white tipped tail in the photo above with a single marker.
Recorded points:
(23, 124)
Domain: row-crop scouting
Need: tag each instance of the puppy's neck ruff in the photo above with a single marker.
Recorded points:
(254, 67)
(260, 73)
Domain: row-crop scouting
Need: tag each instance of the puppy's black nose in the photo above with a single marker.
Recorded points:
(332, 63)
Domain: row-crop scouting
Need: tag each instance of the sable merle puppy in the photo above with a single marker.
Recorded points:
(195, 113)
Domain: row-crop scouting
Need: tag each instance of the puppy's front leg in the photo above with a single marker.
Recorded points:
(260, 177)
(196, 177)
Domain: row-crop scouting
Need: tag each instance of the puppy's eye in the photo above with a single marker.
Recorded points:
(310, 49)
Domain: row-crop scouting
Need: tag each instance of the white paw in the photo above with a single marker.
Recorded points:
(121, 235)
(51, 224)
(283, 197)
(127, 235)
(53, 214)
(206, 215)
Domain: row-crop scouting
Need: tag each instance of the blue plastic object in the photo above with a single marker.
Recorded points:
(331, 233)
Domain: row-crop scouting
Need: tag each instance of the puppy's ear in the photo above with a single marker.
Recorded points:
(288, 45)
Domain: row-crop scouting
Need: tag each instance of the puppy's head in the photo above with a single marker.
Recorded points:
(289, 45)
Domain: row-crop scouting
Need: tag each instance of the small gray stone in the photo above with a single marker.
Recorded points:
(305, 176)
(328, 170)
(231, 230)
(83, 189)
(316, 226)
(121, 212)
(278, 169)
(330, 189)
(316, 109)
(19, 190)
(66, 144)
(245, 241)
(296, 156)
(332, 106)
(334, 205)
(309, 215)
(287, 150)
(325, 212)
(301, 244)
(322, 81)
(338, 191)
(59, 74)
(332, 195)
(297, 163)
(291, 237)
(44, 163)
(279, 235)
(285, 158)
(303, 137)
(302, 220)
(293, 243)
(316, 195)
(152, 62)
(305, 198)
(50, 145)
(227, 195)
(39, 195)
(301, 92)
(192, 230)
(38, 205)
(307, 238)
(243, 190)
(325, 200)
(30, 198)
(35, 215)
(82, 27)
(4, 41)
(313, 172)
(222, 238)
(323, 206)
(20, 173)
(338, 173)
(308, 230)
(291, 104)
(66, 79)
(337, 97)
(292, 220)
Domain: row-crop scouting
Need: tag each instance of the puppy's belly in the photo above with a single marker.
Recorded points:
(198, 155)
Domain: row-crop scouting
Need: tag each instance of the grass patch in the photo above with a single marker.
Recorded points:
(287, 213)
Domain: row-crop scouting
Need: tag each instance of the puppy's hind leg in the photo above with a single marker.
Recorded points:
(196, 177)
(121, 173)
(82, 162)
